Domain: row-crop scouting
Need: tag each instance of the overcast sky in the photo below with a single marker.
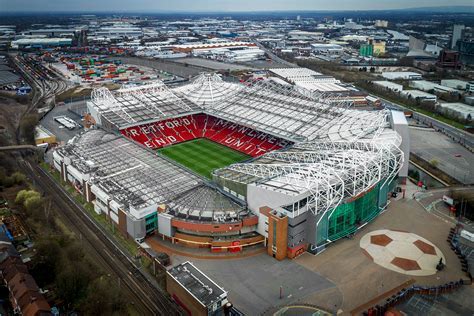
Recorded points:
(152, 6)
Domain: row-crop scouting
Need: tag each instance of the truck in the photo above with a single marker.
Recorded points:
(448, 200)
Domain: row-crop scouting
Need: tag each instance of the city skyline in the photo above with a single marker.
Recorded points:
(216, 5)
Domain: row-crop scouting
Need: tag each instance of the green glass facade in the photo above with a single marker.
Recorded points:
(366, 50)
(347, 217)
(151, 223)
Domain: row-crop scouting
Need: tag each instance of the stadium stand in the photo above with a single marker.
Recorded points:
(172, 131)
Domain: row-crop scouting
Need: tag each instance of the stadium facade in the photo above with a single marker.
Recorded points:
(318, 171)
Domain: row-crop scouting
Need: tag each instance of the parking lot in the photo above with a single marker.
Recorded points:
(450, 156)
(63, 134)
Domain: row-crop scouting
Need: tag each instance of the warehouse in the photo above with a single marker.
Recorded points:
(327, 49)
(432, 86)
(40, 42)
(402, 75)
(457, 109)
(395, 87)
(420, 95)
(458, 84)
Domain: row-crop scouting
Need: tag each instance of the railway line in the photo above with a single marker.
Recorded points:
(146, 298)
(46, 83)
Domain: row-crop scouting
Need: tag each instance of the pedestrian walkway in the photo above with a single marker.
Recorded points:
(200, 253)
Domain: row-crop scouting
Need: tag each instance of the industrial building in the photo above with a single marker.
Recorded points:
(309, 81)
(457, 109)
(392, 86)
(319, 170)
(327, 49)
(420, 95)
(372, 48)
(458, 85)
(293, 75)
(432, 86)
(119, 30)
(195, 292)
(229, 53)
(40, 43)
(403, 75)
(188, 48)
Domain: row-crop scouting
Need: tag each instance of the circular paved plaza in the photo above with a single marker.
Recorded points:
(402, 252)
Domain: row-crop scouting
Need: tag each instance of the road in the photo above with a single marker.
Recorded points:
(274, 57)
(464, 138)
(170, 67)
(143, 294)
(432, 201)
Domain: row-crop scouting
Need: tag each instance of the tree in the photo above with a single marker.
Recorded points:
(104, 297)
(72, 281)
(18, 177)
(27, 128)
(46, 259)
(33, 204)
(24, 195)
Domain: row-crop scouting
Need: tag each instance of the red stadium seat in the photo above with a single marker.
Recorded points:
(162, 133)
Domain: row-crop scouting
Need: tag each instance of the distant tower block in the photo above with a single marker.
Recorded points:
(457, 34)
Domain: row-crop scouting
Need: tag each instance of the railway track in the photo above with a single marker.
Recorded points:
(46, 84)
(146, 298)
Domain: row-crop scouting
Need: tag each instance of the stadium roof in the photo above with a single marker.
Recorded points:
(329, 171)
(338, 152)
(280, 110)
(128, 173)
(133, 105)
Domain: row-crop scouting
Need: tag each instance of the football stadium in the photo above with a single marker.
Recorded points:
(223, 166)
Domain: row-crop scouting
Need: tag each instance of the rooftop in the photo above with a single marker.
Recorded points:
(290, 73)
(127, 172)
(200, 286)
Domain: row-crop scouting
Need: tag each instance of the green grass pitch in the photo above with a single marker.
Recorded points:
(202, 155)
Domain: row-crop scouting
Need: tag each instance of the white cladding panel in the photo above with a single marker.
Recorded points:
(114, 206)
(141, 213)
(75, 173)
(99, 193)
(57, 166)
(94, 112)
(56, 156)
(400, 125)
(114, 217)
(164, 225)
(98, 208)
(258, 197)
